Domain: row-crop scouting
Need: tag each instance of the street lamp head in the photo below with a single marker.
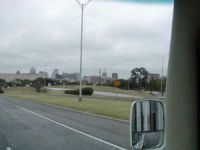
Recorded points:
(83, 3)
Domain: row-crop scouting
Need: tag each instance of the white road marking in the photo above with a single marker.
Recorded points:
(75, 130)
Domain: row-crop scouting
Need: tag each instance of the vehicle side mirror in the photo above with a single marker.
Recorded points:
(147, 125)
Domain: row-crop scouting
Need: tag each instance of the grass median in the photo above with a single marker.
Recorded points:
(145, 94)
(103, 106)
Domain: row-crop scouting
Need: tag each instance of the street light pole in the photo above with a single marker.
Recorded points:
(82, 6)
(161, 86)
(81, 52)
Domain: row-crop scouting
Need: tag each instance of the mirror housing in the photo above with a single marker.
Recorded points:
(147, 125)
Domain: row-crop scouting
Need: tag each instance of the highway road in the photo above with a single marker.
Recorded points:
(30, 126)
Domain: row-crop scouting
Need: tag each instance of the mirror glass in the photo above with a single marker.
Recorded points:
(147, 125)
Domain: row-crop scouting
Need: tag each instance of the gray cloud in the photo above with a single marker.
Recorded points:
(117, 36)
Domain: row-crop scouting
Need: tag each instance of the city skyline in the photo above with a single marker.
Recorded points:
(50, 37)
(52, 74)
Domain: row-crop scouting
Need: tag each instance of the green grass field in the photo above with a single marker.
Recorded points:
(117, 108)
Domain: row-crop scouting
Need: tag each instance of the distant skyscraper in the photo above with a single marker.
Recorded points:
(71, 77)
(104, 74)
(94, 79)
(55, 73)
(43, 74)
(114, 76)
(32, 70)
(18, 72)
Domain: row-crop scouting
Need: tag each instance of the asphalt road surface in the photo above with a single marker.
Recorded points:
(30, 126)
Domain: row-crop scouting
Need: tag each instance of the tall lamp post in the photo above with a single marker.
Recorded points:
(82, 4)
(161, 86)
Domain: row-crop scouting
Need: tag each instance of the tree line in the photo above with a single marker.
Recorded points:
(139, 80)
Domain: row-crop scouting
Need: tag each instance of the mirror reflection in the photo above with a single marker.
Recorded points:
(147, 125)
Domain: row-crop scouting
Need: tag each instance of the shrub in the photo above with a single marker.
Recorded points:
(1, 90)
(74, 92)
(85, 91)
(43, 90)
(38, 88)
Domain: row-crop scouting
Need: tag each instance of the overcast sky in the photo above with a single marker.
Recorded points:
(118, 36)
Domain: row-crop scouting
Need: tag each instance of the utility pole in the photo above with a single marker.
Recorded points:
(82, 5)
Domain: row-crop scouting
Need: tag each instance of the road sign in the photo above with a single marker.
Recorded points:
(116, 83)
